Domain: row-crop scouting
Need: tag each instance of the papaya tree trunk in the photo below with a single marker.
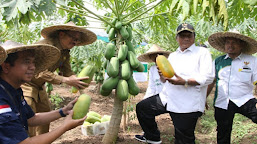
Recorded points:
(125, 116)
(111, 135)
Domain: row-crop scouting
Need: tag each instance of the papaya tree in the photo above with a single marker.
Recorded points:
(121, 56)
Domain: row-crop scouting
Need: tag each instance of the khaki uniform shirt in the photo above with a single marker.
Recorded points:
(34, 88)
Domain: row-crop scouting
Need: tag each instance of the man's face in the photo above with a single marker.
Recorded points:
(23, 69)
(233, 46)
(69, 39)
(185, 39)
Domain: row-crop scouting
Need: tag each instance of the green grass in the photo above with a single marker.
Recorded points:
(242, 126)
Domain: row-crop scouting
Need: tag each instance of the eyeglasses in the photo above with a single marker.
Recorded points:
(77, 40)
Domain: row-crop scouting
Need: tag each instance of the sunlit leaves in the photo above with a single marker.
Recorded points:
(12, 8)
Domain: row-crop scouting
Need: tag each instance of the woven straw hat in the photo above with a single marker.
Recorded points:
(155, 49)
(87, 36)
(45, 55)
(2, 55)
(217, 41)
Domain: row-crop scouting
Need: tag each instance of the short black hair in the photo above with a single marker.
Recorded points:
(12, 57)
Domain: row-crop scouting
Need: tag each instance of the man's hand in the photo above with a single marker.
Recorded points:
(70, 123)
(162, 78)
(178, 81)
(76, 82)
(67, 109)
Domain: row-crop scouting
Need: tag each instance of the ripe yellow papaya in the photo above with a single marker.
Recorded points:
(164, 66)
(81, 107)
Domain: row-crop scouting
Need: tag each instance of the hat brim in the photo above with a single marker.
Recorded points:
(2, 55)
(217, 41)
(145, 57)
(45, 55)
(87, 36)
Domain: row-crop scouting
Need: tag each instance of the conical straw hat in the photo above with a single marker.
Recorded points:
(2, 55)
(155, 49)
(87, 36)
(45, 55)
(217, 41)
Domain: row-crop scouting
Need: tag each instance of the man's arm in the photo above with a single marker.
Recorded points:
(49, 137)
(47, 117)
(210, 87)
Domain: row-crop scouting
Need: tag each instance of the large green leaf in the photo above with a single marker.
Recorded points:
(12, 7)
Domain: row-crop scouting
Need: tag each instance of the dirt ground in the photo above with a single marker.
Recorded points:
(104, 105)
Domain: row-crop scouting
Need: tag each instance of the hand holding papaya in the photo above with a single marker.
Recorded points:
(177, 81)
(70, 123)
(67, 109)
(76, 82)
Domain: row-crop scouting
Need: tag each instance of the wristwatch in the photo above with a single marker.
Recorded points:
(186, 83)
(61, 113)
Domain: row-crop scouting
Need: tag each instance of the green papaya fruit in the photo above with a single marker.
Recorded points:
(113, 67)
(81, 107)
(123, 51)
(122, 90)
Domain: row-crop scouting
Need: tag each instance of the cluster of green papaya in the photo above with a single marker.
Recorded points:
(94, 117)
(99, 77)
(120, 62)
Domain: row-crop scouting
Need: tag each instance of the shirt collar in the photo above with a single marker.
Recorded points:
(11, 89)
(238, 57)
(191, 48)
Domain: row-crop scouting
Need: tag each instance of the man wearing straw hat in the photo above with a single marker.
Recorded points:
(64, 37)
(154, 83)
(183, 96)
(22, 63)
(236, 77)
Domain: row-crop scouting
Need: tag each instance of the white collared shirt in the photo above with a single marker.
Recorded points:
(194, 62)
(154, 83)
(235, 79)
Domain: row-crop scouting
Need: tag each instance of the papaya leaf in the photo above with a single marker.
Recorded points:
(205, 4)
(195, 3)
(250, 2)
(223, 12)
(180, 4)
(173, 4)
(185, 10)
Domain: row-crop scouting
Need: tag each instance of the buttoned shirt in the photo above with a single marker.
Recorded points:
(196, 63)
(14, 113)
(35, 86)
(154, 83)
(235, 79)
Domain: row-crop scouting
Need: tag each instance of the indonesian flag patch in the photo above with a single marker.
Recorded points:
(5, 109)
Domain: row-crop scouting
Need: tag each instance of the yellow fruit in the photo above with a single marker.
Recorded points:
(164, 66)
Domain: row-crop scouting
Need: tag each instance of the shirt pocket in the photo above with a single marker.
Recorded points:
(6, 117)
(245, 75)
